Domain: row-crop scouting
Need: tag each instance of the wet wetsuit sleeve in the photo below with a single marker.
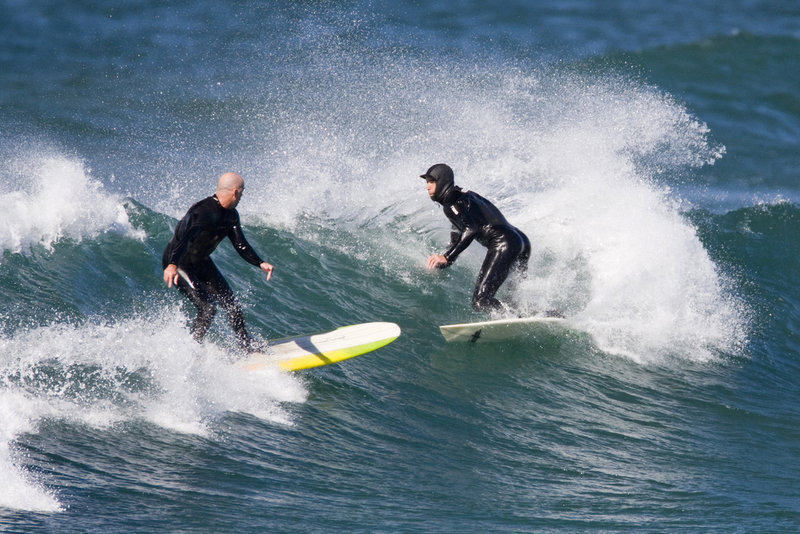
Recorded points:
(236, 235)
(185, 232)
(464, 231)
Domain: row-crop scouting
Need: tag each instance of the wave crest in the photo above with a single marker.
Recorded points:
(49, 197)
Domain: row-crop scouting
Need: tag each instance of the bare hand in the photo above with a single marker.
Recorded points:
(267, 268)
(436, 260)
(171, 275)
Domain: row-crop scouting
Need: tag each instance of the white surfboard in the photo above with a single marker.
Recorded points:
(307, 351)
(503, 329)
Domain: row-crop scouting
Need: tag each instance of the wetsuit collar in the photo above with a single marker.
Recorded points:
(447, 194)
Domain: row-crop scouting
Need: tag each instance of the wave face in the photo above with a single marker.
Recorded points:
(648, 151)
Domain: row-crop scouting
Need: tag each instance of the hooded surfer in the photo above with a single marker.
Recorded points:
(475, 218)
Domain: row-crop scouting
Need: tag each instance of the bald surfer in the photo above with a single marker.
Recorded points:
(475, 218)
(187, 258)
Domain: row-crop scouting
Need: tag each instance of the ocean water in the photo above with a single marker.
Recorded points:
(648, 149)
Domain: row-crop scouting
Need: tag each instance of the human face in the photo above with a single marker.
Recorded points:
(431, 185)
(230, 199)
(237, 196)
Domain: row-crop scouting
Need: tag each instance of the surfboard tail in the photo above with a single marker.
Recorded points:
(308, 351)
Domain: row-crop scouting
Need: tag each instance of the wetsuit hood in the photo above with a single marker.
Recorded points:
(442, 174)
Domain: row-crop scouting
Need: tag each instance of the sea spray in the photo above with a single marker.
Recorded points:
(49, 197)
(19, 488)
(142, 369)
(614, 250)
(589, 166)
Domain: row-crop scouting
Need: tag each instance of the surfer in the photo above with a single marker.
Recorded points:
(475, 218)
(187, 259)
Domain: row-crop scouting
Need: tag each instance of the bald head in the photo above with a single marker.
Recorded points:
(229, 189)
(229, 181)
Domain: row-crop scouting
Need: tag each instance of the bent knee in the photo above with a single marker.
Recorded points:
(207, 310)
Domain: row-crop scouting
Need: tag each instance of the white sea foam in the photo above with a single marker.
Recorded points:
(18, 488)
(48, 197)
(141, 369)
(589, 167)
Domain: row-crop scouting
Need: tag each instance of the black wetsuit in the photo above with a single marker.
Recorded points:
(196, 236)
(475, 218)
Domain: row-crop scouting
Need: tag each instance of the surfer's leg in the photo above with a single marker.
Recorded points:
(519, 265)
(493, 273)
(223, 294)
(521, 262)
(495, 269)
(204, 303)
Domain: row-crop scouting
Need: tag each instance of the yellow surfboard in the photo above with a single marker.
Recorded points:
(305, 352)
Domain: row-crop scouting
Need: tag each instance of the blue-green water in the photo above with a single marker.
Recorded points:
(649, 150)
